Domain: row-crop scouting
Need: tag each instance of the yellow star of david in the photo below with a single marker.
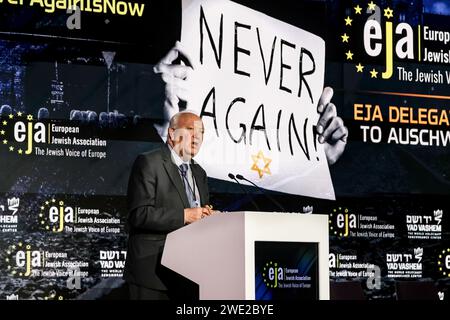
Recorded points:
(255, 167)
(388, 13)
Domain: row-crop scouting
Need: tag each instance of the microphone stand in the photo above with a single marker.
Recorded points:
(232, 177)
(240, 177)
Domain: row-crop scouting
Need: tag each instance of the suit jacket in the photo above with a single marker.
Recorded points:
(156, 200)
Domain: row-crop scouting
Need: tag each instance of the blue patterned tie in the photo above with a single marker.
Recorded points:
(187, 187)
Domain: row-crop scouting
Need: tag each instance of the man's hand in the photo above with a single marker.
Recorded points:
(194, 214)
(175, 77)
(330, 127)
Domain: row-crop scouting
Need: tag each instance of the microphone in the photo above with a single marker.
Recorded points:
(232, 177)
(241, 177)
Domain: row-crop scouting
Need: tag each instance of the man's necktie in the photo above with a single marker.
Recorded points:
(187, 186)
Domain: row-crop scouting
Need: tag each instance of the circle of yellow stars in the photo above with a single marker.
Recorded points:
(265, 169)
(388, 13)
(42, 215)
(441, 262)
(267, 266)
(10, 252)
(4, 125)
(330, 221)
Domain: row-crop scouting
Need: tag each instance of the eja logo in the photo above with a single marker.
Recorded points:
(341, 222)
(54, 214)
(272, 274)
(21, 259)
(379, 36)
(19, 133)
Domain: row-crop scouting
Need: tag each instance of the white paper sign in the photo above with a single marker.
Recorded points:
(256, 83)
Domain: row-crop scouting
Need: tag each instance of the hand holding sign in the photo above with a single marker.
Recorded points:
(175, 77)
(330, 127)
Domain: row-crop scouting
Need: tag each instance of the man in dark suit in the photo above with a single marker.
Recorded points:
(166, 190)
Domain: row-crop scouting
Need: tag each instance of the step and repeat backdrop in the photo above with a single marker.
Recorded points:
(87, 85)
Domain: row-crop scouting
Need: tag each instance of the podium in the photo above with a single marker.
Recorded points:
(253, 255)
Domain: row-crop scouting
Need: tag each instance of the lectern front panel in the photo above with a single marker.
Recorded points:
(286, 270)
